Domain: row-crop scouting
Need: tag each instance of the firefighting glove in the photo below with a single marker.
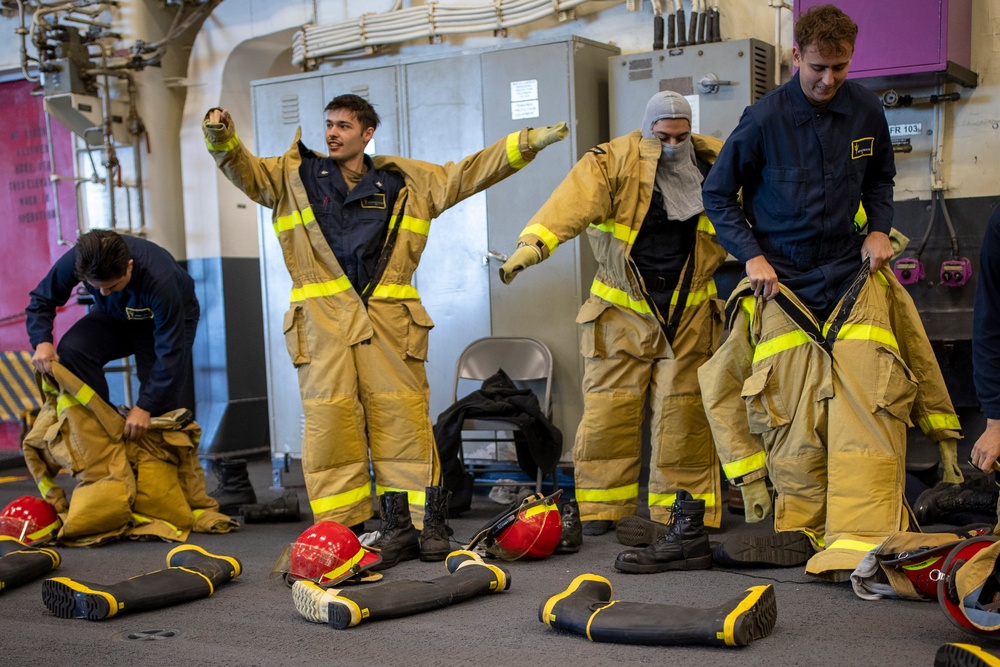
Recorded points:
(525, 256)
(950, 472)
(899, 241)
(756, 500)
(540, 137)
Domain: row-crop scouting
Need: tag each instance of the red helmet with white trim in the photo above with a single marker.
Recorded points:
(526, 531)
(328, 553)
(30, 520)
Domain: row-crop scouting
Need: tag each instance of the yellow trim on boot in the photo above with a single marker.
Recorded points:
(237, 569)
(594, 615)
(730, 623)
(113, 605)
(189, 570)
(987, 658)
(548, 616)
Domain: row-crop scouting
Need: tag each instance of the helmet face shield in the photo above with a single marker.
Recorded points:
(326, 553)
(30, 520)
(526, 531)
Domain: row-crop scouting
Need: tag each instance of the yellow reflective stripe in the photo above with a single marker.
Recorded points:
(778, 344)
(867, 332)
(668, 499)
(39, 534)
(412, 497)
(705, 225)
(416, 225)
(694, 298)
(339, 500)
(46, 484)
(730, 623)
(85, 394)
(287, 222)
(618, 230)
(744, 466)
(64, 402)
(594, 615)
(395, 292)
(861, 217)
(514, 151)
(619, 297)
(224, 146)
(544, 234)
(819, 542)
(853, 545)
(47, 388)
(930, 423)
(629, 492)
(540, 508)
(313, 290)
(346, 566)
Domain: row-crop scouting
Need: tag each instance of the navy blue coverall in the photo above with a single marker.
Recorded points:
(986, 322)
(154, 317)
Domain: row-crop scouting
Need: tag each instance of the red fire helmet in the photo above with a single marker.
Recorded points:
(527, 531)
(328, 553)
(30, 520)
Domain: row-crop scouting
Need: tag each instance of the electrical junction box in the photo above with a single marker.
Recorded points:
(719, 79)
(924, 41)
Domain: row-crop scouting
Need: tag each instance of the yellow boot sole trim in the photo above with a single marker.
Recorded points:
(750, 600)
(113, 605)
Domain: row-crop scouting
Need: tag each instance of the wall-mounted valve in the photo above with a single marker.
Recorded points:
(956, 272)
(709, 84)
(908, 270)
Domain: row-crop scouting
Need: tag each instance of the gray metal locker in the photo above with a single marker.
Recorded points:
(441, 109)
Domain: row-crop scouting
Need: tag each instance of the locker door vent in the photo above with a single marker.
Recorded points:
(290, 109)
(761, 71)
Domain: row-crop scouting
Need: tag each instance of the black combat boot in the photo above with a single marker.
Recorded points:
(398, 538)
(435, 542)
(684, 547)
(234, 487)
(572, 529)
(280, 510)
(956, 504)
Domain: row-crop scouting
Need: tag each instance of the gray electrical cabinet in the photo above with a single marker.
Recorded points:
(720, 79)
(440, 109)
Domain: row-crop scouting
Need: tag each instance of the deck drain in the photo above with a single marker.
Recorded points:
(151, 635)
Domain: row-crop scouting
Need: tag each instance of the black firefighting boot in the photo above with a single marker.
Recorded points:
(964, 655)
(20, 563)
(398, 538)
(684, 547)
(340, 608)
(586, 608)
(572, 529)
(234, 487)
(280, 510)
(435, 542)
(956, 504)
(783, 549)
(191, 573)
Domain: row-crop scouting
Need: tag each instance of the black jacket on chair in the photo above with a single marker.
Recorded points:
(537, 440)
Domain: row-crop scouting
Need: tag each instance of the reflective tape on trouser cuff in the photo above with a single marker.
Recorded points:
(628, 492)
(339, 501)
(418, 498)
(668, 499)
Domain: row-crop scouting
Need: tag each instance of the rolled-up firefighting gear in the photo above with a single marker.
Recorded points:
(523, 257)
(149, 487)
(969, 587)
(20, 563)
(907, 565)
(340, 609)
(586, 608)
(540, 137)
(823, 409)
(191, 573)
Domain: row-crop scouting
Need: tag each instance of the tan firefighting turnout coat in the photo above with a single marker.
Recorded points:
(829, 429)
(361, 370)
(152, 486)
(626, 353)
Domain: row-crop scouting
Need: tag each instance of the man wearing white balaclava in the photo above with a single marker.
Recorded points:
(651, 320)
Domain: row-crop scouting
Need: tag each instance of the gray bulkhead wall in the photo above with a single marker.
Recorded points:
(441, 109)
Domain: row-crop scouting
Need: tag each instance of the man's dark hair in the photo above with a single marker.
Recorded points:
(361, 107)
(828, 28)
(101, 255)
